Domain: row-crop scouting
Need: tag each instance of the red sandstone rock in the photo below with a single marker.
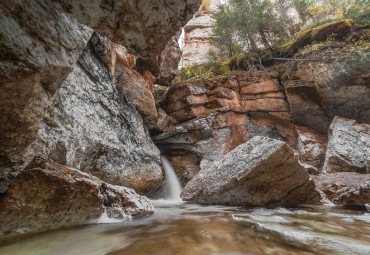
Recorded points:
(261, 87)
(213, 119)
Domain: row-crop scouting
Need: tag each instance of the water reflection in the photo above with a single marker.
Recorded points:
(193, 229)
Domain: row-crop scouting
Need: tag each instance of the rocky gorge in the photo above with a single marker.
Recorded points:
(89, 104)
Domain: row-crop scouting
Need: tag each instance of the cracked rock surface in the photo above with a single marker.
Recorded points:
(260, 172)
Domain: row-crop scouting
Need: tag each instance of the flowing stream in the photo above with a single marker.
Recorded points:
(182, 228)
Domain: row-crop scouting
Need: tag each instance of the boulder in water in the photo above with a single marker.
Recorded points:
(47, 194)
(260, 172)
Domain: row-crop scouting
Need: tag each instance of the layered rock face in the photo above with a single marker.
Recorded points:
(198, 34)
(320, 90)
(47, 194)
(260, 172)
(217, 115)
(348, 147)
(143, 26)
(93, 125)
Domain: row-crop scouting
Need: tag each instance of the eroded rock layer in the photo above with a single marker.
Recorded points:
(198, 34)
(317, 91)
(216, 115)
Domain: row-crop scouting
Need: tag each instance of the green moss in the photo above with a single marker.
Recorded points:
(332, 30)
(206, 113)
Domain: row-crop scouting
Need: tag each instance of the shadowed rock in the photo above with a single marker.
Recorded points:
(143, 26)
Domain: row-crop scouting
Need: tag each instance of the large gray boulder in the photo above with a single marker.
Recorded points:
(260, 172)
(48, 195)
(348, 148)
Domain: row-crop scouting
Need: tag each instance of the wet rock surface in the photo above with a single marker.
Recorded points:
(260, 172)
(348, 147)
(355, 198)
(334, 184)
(48, 195)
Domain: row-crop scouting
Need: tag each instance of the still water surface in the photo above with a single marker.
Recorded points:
(180, 228)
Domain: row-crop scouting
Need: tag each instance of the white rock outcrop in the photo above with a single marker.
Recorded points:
(198, 34)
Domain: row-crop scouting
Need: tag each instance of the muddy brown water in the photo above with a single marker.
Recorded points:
(180, 228)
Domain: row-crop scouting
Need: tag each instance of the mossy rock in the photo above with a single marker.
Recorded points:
(338, 30)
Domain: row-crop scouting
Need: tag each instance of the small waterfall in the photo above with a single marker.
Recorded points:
(173, 186)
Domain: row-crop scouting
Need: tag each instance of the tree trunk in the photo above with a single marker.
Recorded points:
(265, 42)
(252, 42)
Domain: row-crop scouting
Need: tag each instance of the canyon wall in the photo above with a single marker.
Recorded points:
(76, 101)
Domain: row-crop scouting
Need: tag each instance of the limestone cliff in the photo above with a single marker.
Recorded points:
(198, 34)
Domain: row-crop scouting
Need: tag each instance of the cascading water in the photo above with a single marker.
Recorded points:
(173, 186)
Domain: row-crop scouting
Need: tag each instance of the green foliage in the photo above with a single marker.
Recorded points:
(335, 30)
(223, 31)
(200, 71)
